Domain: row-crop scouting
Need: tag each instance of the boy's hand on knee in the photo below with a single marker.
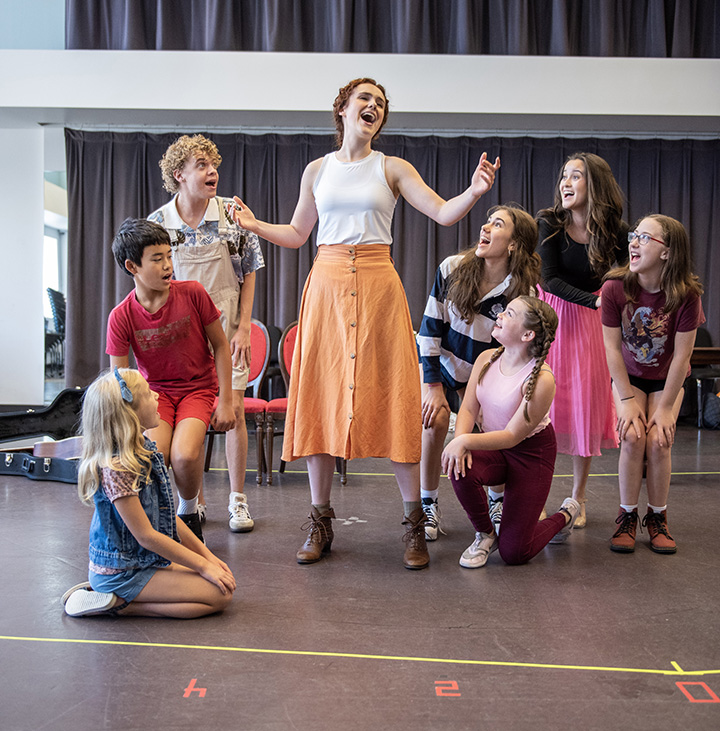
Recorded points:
(224, 418)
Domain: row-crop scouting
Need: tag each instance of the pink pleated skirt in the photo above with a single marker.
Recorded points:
(583, 412)
(355, 383)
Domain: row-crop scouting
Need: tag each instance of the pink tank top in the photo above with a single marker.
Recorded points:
(500, 395)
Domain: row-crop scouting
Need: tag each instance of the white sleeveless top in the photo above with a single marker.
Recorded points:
(354, 202)
(500, 395)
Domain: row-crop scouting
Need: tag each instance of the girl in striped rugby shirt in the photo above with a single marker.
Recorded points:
(469, 292)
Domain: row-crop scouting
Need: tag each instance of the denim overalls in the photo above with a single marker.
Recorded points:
(215, 262)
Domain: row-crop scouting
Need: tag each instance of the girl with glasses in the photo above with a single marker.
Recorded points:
(650, 313)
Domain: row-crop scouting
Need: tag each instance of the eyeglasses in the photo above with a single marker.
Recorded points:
(642, 239)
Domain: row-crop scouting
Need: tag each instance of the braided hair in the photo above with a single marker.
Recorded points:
(542, 320)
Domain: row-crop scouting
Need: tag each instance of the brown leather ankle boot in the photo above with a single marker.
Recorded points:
(319, 538)
(660, 539)
(416, 554)
(623, 540)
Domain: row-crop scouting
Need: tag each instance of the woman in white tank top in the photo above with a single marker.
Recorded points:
(355, 387)
(508, 396)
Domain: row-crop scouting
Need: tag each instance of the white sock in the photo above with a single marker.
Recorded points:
(237, 497)
(495, 495)
(629, 508)
(429, 493)
(187, 507)
(656, 509)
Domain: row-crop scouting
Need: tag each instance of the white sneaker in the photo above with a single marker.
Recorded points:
(495, 508)
(572, 508)
(476, 555)
(240, 520)
(432, 518)
(86, 601)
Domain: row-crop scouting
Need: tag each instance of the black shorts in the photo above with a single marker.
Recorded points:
(647, 385)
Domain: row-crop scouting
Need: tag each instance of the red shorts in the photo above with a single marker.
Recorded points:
(196, 405)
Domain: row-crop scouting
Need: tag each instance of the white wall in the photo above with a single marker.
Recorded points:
(21, 295)
(285, 90)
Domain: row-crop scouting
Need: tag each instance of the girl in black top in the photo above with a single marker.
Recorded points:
(580, 238)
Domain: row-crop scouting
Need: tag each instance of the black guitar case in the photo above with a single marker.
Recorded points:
(60, 420)
(24, 462)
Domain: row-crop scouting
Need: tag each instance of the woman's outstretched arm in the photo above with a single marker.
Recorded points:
(294, 234)
(405, 180)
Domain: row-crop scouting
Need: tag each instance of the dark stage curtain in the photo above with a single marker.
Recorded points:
(115, 175)
(652, 28)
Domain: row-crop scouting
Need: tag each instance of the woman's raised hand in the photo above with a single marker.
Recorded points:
(484, 176)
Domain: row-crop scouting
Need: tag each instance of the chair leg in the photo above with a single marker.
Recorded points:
(259, 433)
(209, 450)
(699, 401)
(269, 433)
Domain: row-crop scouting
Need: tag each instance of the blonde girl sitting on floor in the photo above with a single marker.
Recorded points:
(142, 561)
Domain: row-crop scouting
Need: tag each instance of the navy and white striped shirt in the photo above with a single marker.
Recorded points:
(447, 346)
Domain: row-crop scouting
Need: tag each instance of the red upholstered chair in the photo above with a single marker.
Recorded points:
(277, 408)
(255, 407)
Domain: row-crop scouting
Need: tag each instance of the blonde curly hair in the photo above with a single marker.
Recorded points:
(180, 152)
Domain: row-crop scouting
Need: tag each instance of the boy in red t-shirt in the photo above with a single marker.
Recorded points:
(168, 324)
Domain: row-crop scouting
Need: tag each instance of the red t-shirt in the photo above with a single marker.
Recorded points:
(648, 333)
(170, 346)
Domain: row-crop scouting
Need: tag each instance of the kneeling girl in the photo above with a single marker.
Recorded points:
(512, 393)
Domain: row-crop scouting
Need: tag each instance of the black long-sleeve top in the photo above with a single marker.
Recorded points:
(566, 270)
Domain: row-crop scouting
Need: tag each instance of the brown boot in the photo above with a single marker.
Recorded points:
(660, 540)
(319, 538)
(416, 554)
(623, 541)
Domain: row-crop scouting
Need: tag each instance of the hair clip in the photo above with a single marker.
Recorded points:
(125, 392)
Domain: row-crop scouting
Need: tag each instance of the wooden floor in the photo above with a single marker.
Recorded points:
(579, 638)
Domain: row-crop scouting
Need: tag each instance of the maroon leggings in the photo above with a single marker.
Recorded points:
(527, 471)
